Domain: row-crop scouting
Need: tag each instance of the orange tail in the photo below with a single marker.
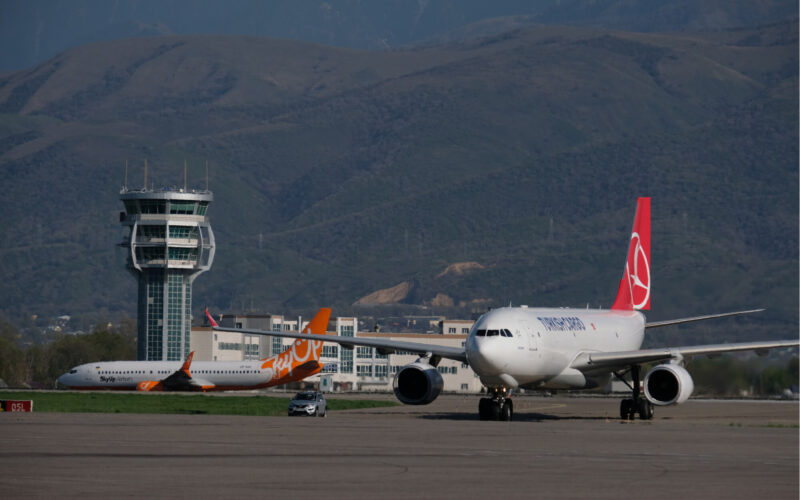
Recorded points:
(318, 326)
(634, 288)
(303, 355)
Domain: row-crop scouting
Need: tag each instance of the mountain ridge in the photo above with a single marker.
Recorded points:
(523, 152)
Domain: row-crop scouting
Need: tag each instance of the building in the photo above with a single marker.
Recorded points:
(357, 369)
(169, 242)
(457, 326)
(209, 345)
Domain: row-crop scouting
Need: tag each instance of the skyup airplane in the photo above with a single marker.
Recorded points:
(561, 348)
(301, 360)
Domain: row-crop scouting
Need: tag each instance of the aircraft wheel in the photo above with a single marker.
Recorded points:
(626, 410)
(645, 409)
(488, 409)
(507, 411)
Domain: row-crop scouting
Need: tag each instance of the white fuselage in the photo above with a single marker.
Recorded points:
(125, 375)
(544, 342)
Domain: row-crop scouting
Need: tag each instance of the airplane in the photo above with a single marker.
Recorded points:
(560, 348)
(301, 360)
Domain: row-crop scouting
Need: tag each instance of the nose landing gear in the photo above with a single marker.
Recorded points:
(498, 406)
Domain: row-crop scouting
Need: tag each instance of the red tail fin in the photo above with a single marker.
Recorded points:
(634, 288)
(210, 319)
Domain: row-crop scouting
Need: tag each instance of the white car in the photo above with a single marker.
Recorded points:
(310, 403)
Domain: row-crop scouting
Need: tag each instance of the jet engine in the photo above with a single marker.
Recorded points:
(417, 384)
(668, 385)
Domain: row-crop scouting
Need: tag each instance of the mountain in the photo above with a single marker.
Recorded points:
(339, 172)
(41, 29)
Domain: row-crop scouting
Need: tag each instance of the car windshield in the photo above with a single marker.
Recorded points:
(304, 396)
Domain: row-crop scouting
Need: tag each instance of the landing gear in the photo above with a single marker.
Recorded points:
(496, 407)
(628, 408)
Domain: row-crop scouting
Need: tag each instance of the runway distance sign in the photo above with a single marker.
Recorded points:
(8, 405)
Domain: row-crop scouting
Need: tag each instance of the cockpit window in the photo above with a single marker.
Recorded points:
(505, 332)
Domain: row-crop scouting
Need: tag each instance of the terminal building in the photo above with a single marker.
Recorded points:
(169, 242)
(357, 369)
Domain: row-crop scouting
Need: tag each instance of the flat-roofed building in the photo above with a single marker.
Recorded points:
(455, 326)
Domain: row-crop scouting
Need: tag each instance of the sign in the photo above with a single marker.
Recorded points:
(12, 405)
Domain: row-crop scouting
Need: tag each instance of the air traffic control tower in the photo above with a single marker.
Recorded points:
(169, 244)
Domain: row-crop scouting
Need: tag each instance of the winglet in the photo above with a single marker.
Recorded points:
(634, 288)
(210, 319)
(187, 363)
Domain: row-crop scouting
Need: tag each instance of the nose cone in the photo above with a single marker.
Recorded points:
(64, 381)
(485, 355)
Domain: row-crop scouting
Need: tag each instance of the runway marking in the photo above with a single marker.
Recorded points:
(552, 406)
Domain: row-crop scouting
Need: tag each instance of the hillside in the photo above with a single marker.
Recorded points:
(41, 29)
(338, 172)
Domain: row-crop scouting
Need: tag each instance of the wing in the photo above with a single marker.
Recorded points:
(384, 346)
(180, 380)
(657, 324)
(588, 361)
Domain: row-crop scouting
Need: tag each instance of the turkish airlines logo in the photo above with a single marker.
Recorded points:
(639, 279)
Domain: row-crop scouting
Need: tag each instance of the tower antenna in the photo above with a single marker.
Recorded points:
(125, 186)
(184, 174)
(145, 174)
(206, 176)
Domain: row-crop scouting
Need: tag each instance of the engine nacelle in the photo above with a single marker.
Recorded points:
(417, 384)
(668, 385)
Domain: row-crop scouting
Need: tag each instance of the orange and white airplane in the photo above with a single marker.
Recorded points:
(301, 360)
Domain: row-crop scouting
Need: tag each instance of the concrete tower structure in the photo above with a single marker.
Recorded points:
(169, 244)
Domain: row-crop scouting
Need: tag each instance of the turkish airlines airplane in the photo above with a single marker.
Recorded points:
(301, 360)
(562, 348)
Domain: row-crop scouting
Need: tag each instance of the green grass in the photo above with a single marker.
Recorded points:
(103, 402)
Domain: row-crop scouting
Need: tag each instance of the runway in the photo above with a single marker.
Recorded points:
(559, 447)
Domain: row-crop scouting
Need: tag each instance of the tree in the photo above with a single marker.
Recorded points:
(12, 360)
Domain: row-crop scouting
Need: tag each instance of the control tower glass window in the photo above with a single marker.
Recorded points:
(131, 207)
(201, 207)
(181, 207)
(153, 206)
(152, 231)
(185, 232)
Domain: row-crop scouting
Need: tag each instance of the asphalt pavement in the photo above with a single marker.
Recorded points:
(559, 447)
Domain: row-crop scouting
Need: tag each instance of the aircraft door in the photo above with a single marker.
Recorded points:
(533, 341)
(530, 337)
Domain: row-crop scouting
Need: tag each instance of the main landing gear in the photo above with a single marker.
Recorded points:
(498, 406)
(628, 408)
